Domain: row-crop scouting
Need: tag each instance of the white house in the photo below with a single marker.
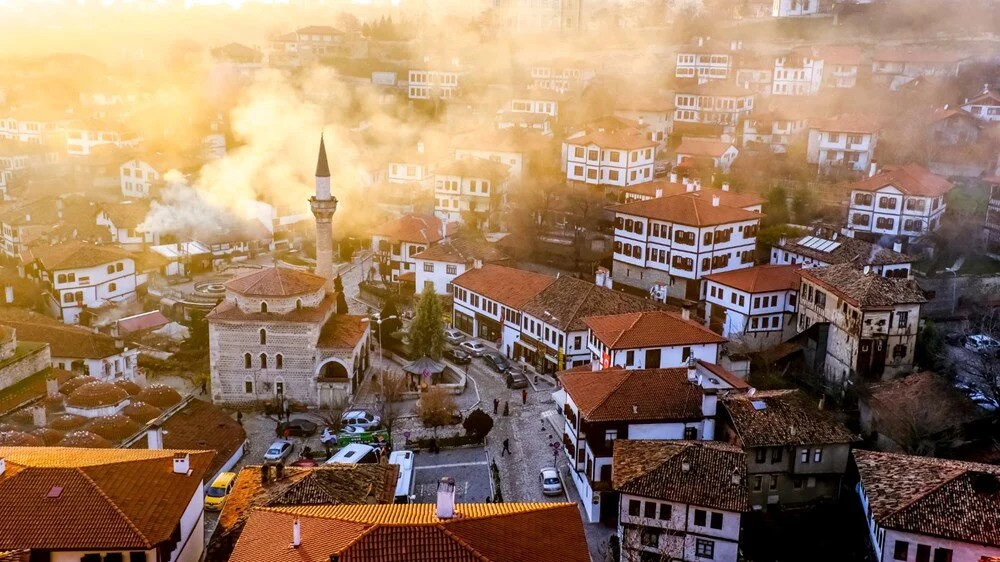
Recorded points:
(439, 265)
(897, 66)
(843, 141)
(79, 275)
(798, 73)
(654, 113)
(795, 8)
(142, 176)
(618, 404)
(434, 82)
(907, 201)
(924, 508)
(649, 340)
(562, 75)
(470, 186)
(621, 158)
(35, 124)
(985, 106)
(667, 244)
(717, 154)
(705, 59)
(828, 248)
(123, 221)
(488, 301)
(411, 166)
(125, 480)
(514, 147)
(841, 65)
(680, 500)
(719, 101)
(397, 241)
(774, 129)
(754, 308)
(83, 136)
(755, 73)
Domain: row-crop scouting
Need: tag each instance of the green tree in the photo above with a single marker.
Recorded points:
(427, 330)
(390, 318)
(930, 348)
(478, 423)
(338, 286)
(776, 206)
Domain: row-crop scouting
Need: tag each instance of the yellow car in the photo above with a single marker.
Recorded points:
(219, 491)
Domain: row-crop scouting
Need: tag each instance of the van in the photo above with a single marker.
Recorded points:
(405, 482)
(355, 453)
(217, 493)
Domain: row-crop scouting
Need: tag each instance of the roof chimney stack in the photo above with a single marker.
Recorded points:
(673, 177)
(872, 169)
(725, 186)
(897, 246)
(692, 374)
(182, 463)
(659, 192)
(38, 415)
(296, 534)
(445, 498)
(154, 437)
(715, 200)
(736, 477)
(867, 269)
(686, 466)
(3, 466)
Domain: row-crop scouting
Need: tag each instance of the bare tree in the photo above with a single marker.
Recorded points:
(436, 408)
(389, 387)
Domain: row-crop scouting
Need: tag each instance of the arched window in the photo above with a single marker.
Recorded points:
(61, 278)
(263, 307)
(298, 304)
(246, 361)
(279, 361)
(119, 267)
(263, 360)
(111, 269)
(263, 336)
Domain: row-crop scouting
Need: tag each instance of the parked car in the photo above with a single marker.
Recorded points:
(516, 379)
(497, 362)
(457, 356)
(296, 428)
(358, 434)
(548, 478)
(355, 453)
(473, 348)
(954, 338)
(453, 335)
(278, 450)
(304, 462)
(360, 418)
(219, 491)
(982, 344)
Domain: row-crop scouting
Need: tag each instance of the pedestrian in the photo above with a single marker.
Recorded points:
(496, 405)
(524, 396)
(506, 408)
(239, 417)
(506, 448)
(288, 410)
(204, 387)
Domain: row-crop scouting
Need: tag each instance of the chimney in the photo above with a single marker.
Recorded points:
(3, 466)
(847, 231)
(946, 106)
(265, 474)
(27, 217)
(715, 200)
(697, 184)
(154, 437)
(822, 402)
(296, 534)
(782, 241)
(635, 408)
(867, 269)
(897, 246)
(692, 374)
(477, 264)
(52, 387)
(701, 41)
(140, 378)
(182, 463)
(673, 177)
(420, 147)
(736, 477)
(38, 416)
(872, 169)
(8, 294)
(659, 192)
(686, 466)
(445, 498)
(642, 121)
(725, 186)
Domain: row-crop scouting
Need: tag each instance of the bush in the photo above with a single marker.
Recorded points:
(478, 424)
(437, 408)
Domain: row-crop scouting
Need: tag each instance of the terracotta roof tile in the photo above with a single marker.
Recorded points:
(624, 140)
(480, 532)
(867, 290)
(107, 498)
(634, 394)
(911, 179)
(276, 282)
(420, 229)
(64, 341)
(72, 255)
(472, 167)
(462, 250)
(126, 215)
(846, 123)
(848, 250)
(760, 279)
(649, 329)
(919, 55)
(342, 331)
(929, 496)
(228, 311)
(506, 285)
(688, 210)
(656, 469)
(703, 147)
(783, 417)
(567, 302)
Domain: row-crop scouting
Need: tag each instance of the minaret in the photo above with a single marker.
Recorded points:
(323, 207)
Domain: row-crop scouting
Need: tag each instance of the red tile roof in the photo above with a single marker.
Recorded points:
(703, 147)
(726, 376)
(783, 417)
(846, 123)
(73, 255)
(58, 498)
(567, 302)
(658, 328)
(71, 342)
(843, 55)
(701, 473)
(911, 179)
(688, 210)
(420, 229)
(479, 532)
(228, 311)
(865, 290)
(633, 394)
(342, 331)
(929, 496)
(760, 279)
(918, 55)
(462, 250)
(506, 285)
(276, 282)
(623, 140)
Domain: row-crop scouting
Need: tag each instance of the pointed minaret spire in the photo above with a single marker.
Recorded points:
(322, 167)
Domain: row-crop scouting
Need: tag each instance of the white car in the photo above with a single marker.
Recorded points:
(981, 343)
(454, 336)
(473, 348)
(548, 478)
(360, 418)
(278, 450)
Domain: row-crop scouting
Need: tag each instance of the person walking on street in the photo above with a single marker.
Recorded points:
(204, 387)
(506, 448)
(496, 405)
(239, 417)
(506, 408)
(524, 396)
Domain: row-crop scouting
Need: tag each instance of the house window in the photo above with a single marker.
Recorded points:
(451, 269)
(716, 520)
(112, 287)
(609, 436)
(630, 358)
(263, 336)
(650, 537)
(700, 517)
(279, 361)
(942, 555)
(685, 353)
(665, 511)
(804, 456)
(119, 267)
(758, 483)
(887, 202)
(818, 455)
(774, 482)
(885, 223)
(298, 304)
(761, 455)
(901, 551)
(690, 434)
(263, 360)
(246, 360)
(428, 267)
(111, 269)
(776, 455)
(923, 553)
(704, 548)
(902, 318)
(61, 278)
(633, 507)
(263, 308)
(649, 510)
(898, 351)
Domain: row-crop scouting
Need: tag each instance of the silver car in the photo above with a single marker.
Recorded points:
(548, 478)
(454, 336)
(278, 450)
(473, 348)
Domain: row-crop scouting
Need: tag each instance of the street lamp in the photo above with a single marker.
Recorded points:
(377, 318)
